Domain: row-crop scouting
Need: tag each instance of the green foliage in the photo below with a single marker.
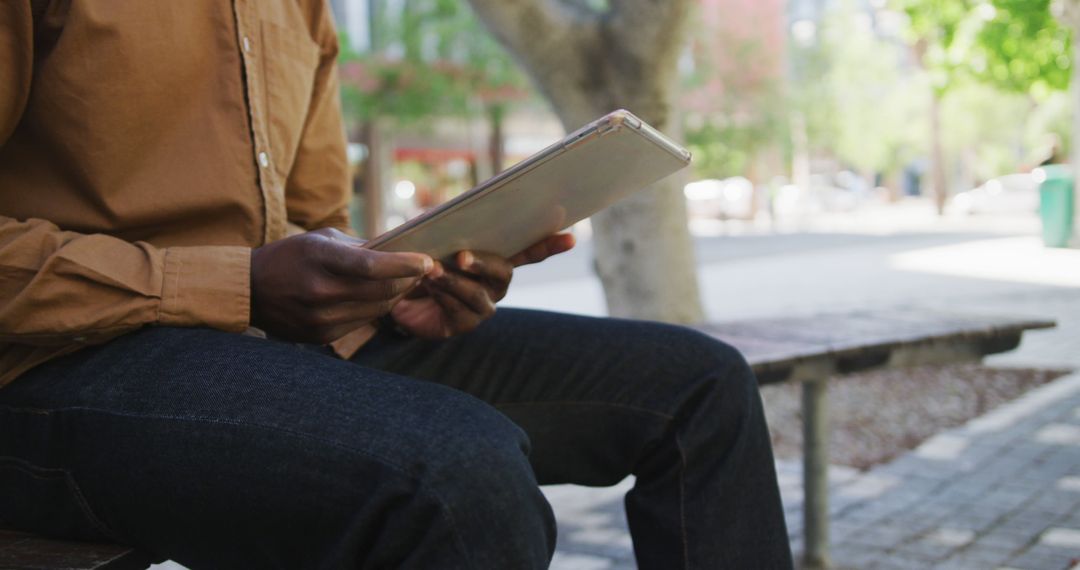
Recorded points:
(1025, 48)
(1014, 45)
(723, 146)
(985, 129)
(430, 58)
(736, 108)
(939, 31)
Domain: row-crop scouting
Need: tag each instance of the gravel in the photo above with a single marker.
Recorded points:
(876, 416)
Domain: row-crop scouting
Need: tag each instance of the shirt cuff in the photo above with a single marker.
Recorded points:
(206, 286)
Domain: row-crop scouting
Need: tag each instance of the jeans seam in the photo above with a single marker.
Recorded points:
(448, 513)
(682, 503)
(587, 403)
(47, 473)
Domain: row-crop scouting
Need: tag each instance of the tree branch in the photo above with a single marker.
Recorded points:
(547, 38)
(650, 29)
(523, 26)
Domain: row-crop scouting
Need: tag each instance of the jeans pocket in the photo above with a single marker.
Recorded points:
(45, 501)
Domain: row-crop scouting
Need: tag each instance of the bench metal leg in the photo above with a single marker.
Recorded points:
(815, 408)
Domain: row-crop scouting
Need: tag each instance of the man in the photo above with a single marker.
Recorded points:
(173, 173)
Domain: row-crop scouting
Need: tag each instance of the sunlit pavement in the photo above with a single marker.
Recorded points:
(1002, 491)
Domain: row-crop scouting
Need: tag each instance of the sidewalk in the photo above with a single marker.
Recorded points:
(1004, 490)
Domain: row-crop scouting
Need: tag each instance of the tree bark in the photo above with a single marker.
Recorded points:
(497, 139)
(377, 170)
(587, 64)
(939, 179)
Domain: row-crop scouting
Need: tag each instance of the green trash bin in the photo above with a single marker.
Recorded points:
(1056, 205)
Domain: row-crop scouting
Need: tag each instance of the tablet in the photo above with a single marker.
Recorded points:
(589, 170)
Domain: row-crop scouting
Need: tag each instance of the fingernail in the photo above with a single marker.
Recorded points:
(429, 264)
(467, 259)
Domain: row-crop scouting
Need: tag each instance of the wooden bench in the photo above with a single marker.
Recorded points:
(806, 349)
(28, 552)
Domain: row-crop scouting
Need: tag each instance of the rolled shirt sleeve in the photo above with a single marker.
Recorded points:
(59, 287)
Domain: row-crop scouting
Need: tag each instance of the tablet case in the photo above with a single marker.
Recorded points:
(587, 171)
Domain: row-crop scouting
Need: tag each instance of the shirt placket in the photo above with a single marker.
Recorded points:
(252, 52)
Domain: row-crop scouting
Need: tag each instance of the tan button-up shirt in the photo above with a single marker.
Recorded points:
(145, 148)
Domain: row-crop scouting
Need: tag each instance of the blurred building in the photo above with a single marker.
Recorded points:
(741, 45)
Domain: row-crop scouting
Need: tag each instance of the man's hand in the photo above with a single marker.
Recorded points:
(318, 286)
(455, 298)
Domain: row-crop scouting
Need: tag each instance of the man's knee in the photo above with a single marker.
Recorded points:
(484, 482)
(482, 461)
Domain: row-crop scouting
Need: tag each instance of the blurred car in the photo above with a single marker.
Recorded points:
(731, 198)
(1009, 194)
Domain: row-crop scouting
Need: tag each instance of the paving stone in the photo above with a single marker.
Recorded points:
(923, 551)
(842, 530)
(571, 561)
(1055, 502)
(1045, 558)
(895, 562)
(966, 561)
(1011, 538)
(984, 555)
(880, 537)
(1063, 537)
(953, 537)
(856, 557)
(1059, 434)
(917, 525)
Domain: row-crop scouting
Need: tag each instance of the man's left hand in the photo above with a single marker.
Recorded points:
(457, 296)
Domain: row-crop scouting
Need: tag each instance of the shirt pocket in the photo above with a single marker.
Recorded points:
(289, 64)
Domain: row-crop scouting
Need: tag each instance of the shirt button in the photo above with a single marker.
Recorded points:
(264, 159)
(247, 44)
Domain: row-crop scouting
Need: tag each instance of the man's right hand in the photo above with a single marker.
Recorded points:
(318, 286)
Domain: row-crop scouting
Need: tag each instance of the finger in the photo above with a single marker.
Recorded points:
(460, 317)
(543, 249)
(471, 293)
(351, 314)
(485, 265)
(336, 289)
(348, 260)
(494, 270)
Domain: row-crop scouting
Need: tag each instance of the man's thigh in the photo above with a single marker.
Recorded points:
(592, 393)
(191, 438)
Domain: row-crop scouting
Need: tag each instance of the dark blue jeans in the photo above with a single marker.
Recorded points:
(225, 451)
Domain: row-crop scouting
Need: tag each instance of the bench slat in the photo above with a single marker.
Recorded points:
(29, 552)
(864, 339)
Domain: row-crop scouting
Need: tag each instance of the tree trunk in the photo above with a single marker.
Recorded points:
(587, 64)
(496, 142)
(939, 180)
(377, 170)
